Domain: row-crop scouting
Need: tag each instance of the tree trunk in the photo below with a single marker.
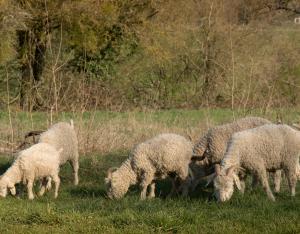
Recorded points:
(32, 51)
(23, 37)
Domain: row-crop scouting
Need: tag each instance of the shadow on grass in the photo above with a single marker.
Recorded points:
(203, 192)
(87, 192)
(163, 188)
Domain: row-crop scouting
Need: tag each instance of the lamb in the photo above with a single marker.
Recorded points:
(267, 148)
(211, 148)
(159, 157)
(62, 135)
(39, 161)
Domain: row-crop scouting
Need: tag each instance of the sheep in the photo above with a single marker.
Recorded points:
(164, 155)
(212, 145)
(62, 135)
(267, 148)
(39, 161)
(210, 149)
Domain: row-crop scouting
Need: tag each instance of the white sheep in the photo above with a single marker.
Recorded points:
(62, 136)
(267, 148)
(212, 145)
(211, 148)
(39, 161)
(159, 157)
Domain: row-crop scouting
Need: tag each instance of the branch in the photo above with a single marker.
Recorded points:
(296, 11)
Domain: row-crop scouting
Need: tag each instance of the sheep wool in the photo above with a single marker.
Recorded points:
(210, 149)
(153, 159)
(267, 148)
(39, 161)
(62, 136)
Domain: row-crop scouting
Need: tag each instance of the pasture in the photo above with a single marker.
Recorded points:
(105, 139)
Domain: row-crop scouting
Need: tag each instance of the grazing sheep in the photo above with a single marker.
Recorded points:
(267, 148)
(212, 146)
(159, 157)
(39, 161)
(62, 135)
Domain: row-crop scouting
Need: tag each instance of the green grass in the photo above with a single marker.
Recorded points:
(86, 209)
(171, 117)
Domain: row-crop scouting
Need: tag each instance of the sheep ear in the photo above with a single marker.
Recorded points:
(230, 170)
(209, 178)
(237, 182)
(110, 171)
(218, 169)
(106, 180)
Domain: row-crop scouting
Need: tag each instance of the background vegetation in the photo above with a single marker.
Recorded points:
(153, 54)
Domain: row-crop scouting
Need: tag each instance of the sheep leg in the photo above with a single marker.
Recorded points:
(146, 181)
(144, 191)
(43, 187)
(187, 185)
(243, 186)
(152, 190)
(242, 177)
(255, 181)
(56, 181)
(195, 183)
(173, 189)
(183, 176)
(277, 181)
(29, 189)
(75, 167)
(292, 180)
(48, 185)
(262, 175)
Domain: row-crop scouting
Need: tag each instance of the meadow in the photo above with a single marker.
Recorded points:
(105, 140)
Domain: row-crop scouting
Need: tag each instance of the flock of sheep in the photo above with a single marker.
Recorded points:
(225, 155)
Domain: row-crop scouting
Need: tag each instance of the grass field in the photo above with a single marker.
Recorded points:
(85, 208)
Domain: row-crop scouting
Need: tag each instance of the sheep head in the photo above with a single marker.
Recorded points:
(116, 184)
(224, 183)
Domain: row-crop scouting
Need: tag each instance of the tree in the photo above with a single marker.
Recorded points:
(93, 29)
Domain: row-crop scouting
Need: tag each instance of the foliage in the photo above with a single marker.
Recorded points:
(149, 54)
